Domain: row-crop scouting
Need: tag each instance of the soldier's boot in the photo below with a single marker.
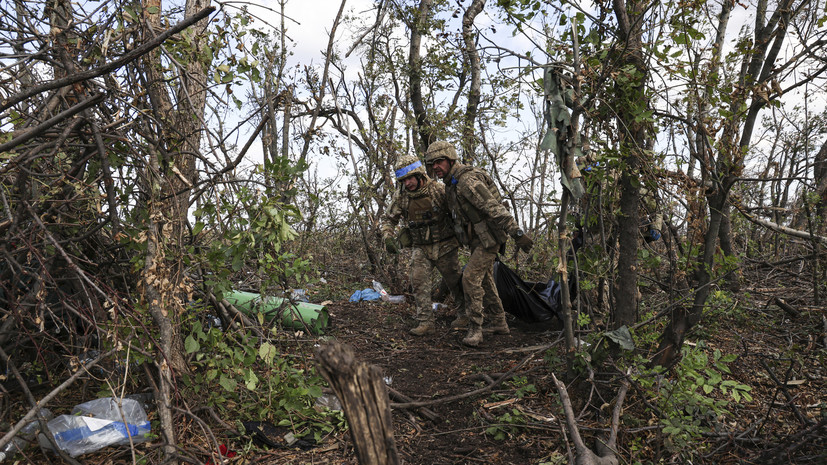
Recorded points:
(474, 336)
(425, 327)
(499, 326)
(461, 322)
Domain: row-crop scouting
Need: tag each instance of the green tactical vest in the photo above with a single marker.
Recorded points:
(469, 222)
(427, 217)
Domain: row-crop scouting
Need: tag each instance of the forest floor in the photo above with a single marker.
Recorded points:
(780, 356)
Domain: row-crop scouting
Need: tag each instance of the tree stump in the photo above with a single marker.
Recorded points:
(364, 399)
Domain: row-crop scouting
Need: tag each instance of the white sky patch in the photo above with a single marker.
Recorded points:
(308, 24)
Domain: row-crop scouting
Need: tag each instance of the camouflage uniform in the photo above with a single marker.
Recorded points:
(427, 224)
(481, 222)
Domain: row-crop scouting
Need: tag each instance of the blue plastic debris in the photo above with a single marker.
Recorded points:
(365, 294)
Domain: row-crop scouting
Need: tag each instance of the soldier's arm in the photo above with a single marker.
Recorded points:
(391, 217)
(478, 194)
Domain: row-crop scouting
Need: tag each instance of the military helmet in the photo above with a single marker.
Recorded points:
(440, 149)
(407, 166)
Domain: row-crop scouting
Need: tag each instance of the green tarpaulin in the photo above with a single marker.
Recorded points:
(296, 316)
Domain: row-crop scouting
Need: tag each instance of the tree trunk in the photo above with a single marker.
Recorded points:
(754, 75)
(733, 278)
(683, 319)
(171, 175)
(472, 60)
(364, 398)
(415, 64)
(634, 139)
(565, 299)
(168, 202)
(626, 292)
(820, 207)
(820, 177)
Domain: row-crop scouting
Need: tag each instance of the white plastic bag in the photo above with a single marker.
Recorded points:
(98, 423)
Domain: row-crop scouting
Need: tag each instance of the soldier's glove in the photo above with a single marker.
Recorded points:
(523, 242)
(390, 245)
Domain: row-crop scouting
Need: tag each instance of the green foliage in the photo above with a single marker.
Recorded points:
(245, 378)
(648, 260)
(721, 309)
(508, 423)
(252, 237)
(522, 386)
(695, 398)
(554, 360)
(555, 458)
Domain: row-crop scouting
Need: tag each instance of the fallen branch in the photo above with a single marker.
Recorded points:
(25, 136)
(35, 410)
(425, 412)
(788, 309)
(793, 443)
(225, 307)
(782, 229)
(782, 386)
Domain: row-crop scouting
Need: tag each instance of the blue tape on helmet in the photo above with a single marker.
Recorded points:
(403, 171)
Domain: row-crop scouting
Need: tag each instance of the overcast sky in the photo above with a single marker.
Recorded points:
(308, 25)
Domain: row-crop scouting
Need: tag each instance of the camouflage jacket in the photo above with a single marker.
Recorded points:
(478, 214)
(424, 217)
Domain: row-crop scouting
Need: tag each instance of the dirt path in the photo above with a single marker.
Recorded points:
(438, 366)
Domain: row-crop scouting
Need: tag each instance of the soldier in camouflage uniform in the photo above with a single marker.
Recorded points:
(481, 222)
(420, 203)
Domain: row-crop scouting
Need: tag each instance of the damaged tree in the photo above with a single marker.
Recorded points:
(362, 392)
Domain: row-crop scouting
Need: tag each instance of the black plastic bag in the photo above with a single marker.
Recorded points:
(524, 300)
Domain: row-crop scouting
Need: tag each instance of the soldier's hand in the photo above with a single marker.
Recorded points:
(524, 243)
(390, 245)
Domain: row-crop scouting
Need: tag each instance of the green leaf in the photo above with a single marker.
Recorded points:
(238, 262)
(315, 390)
(227, 383)
(250, 380)
(199, 226)
(267, 352)
(191, 345)
(129, 12)
(623, 337)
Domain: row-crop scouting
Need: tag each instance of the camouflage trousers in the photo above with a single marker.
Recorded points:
(420, 274)
(481, 297)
